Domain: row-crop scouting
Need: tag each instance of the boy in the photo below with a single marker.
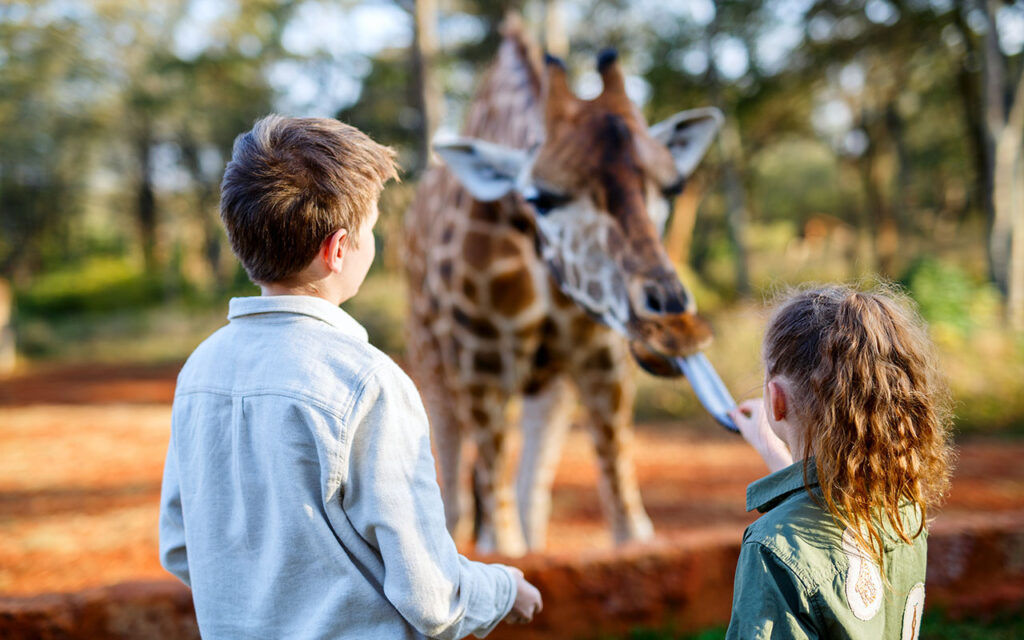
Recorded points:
(299, 497)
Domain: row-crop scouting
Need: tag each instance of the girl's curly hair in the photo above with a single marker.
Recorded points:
(875, 407)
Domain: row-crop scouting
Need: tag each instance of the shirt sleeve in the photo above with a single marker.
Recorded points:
(393, 500)
(173, 556)
(769, 601)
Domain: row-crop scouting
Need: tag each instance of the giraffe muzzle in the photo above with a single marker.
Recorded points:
(707, 384)
(670, 334)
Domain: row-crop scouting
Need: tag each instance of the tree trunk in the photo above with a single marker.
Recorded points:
(555, 39)
(206, 209)
(679, 235)
(732, 153)
(982, 148)
(736, 209)
(992, 92)
(896, 130)
(7, 349)
(424, 57)
(1015, 297)
(145, 198)
(878, 217)
(1008, 196)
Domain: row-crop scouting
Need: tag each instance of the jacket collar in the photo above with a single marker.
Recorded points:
(770, 491)
(302, 305)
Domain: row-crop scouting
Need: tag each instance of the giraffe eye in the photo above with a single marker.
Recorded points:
(545, 201)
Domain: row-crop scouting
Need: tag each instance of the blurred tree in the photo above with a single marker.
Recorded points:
(886, 114)
(556, 41)
(1002, 101)
(46, 117)
(148, 96)
(731, 145)
(871, 53)
(193, 103)
(424, 56)
(213, 97)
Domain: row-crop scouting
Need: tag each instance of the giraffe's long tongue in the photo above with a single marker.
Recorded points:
(710, 389)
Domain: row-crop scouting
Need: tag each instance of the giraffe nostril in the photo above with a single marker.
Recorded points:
(658, 301)
(676, 304)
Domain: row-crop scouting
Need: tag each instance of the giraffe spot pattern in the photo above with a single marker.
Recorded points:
(512, 292)
(476, 250)
(487, 362)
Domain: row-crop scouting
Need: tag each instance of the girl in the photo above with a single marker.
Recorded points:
(853, 424)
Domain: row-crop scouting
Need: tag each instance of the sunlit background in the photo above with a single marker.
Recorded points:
(864, 140)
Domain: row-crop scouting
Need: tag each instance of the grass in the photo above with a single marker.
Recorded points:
(936, 625)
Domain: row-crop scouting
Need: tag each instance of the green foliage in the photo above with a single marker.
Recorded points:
(935, 625)
(100, 284)
(949, 298)
(1004, 626)
(107, 312)
(983, 360)
(380, 306)
(163, 333)
(795, 179)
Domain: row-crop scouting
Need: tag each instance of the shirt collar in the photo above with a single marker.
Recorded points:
(303, 305)
(771, 490)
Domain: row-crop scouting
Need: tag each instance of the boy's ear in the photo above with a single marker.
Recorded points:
(488, 171)
(777, 400)
(334, 249)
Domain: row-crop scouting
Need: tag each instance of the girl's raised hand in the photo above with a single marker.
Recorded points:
(751, 420)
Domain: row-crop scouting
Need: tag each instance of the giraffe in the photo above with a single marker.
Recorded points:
(535, 269)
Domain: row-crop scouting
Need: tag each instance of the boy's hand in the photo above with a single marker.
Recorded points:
(528, 602)
(752, 422)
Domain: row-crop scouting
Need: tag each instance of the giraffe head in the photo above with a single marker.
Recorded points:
(598, 189)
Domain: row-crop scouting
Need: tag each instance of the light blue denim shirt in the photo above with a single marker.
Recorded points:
(300, 498)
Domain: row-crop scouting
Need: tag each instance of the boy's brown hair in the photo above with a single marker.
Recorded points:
(291, 183)
(872, 399)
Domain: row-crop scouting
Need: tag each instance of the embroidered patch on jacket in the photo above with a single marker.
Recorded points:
(863, 580)
(912, 612)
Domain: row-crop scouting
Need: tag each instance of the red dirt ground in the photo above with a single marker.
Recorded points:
(83, 448)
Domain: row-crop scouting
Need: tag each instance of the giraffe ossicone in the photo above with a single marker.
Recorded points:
(534, 259)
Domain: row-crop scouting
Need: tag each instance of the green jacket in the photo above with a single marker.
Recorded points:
(800, 576)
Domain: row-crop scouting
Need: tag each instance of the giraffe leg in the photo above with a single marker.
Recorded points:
(608, 400)
(499, 529)
(546, 420)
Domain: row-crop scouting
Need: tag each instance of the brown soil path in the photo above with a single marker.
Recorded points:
(81, 454)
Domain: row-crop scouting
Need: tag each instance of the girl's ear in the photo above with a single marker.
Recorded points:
(777, 400)
(333, 250)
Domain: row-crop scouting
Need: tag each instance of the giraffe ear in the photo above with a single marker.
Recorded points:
(488, 171)
(688, 134)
